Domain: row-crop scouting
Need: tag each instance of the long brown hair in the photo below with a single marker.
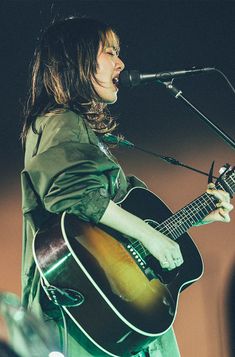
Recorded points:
(64, 63)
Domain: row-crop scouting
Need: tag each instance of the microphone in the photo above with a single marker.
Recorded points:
(113, 139)
(134, 78)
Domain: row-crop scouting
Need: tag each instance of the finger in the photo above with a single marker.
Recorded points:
(174, 260)
(211, 185)
(225, 205)
(164, 264)
(224, 215)
(177, 256)
(219, 194)
(178, 260)
(167, 262)
(172, 264)
(220, 215)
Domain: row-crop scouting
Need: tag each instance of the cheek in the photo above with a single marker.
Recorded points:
(104, 65)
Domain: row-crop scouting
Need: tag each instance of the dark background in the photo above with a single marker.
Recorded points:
(155, 36)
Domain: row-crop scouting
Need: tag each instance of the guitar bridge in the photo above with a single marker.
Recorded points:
(136, 255)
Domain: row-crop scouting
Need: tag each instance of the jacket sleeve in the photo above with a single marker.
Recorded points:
(68, 173)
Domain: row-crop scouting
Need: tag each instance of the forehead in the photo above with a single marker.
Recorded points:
(110, 39)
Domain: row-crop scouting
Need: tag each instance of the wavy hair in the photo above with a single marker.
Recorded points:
(64, 64)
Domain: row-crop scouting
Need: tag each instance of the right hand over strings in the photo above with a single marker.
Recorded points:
(165, 250)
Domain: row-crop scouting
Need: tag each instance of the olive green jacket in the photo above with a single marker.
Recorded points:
(67, 169)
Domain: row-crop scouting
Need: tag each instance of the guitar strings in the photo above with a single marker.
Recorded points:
(182, 220)
(187, 216)
(179, 223)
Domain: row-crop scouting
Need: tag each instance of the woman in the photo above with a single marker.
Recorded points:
(68, 168)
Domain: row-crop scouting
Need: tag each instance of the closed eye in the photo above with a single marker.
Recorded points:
(112, 51)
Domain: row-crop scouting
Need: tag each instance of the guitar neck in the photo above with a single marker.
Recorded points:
(181, 221)
(195, 211)
(191, 214)
(188, 216)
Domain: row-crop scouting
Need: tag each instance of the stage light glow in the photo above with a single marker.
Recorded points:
(55, 354)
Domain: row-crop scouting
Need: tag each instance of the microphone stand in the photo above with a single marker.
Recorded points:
(177, 93)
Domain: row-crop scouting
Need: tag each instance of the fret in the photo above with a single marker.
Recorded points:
(228, 181)
(169, 229)
(232, 179)
(226, 187)
(194, 212)
(219, 186)
(191, 214)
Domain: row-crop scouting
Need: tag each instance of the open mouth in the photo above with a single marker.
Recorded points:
(115, 81)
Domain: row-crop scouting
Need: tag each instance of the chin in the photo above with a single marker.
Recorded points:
(113, 101)
(110, 100)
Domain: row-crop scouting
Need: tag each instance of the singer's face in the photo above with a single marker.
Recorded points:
(108, 70)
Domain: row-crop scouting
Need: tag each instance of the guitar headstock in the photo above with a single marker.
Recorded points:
(227, 179)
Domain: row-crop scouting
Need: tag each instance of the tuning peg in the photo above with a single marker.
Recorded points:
(224, 168)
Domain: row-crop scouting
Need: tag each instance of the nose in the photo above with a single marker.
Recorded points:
(119, 64)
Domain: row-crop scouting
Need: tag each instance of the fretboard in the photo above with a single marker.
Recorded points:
(190, 215)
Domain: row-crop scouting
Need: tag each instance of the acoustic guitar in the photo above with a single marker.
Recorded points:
(109, 285)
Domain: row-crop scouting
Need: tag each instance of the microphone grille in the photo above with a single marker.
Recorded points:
(129, 78)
